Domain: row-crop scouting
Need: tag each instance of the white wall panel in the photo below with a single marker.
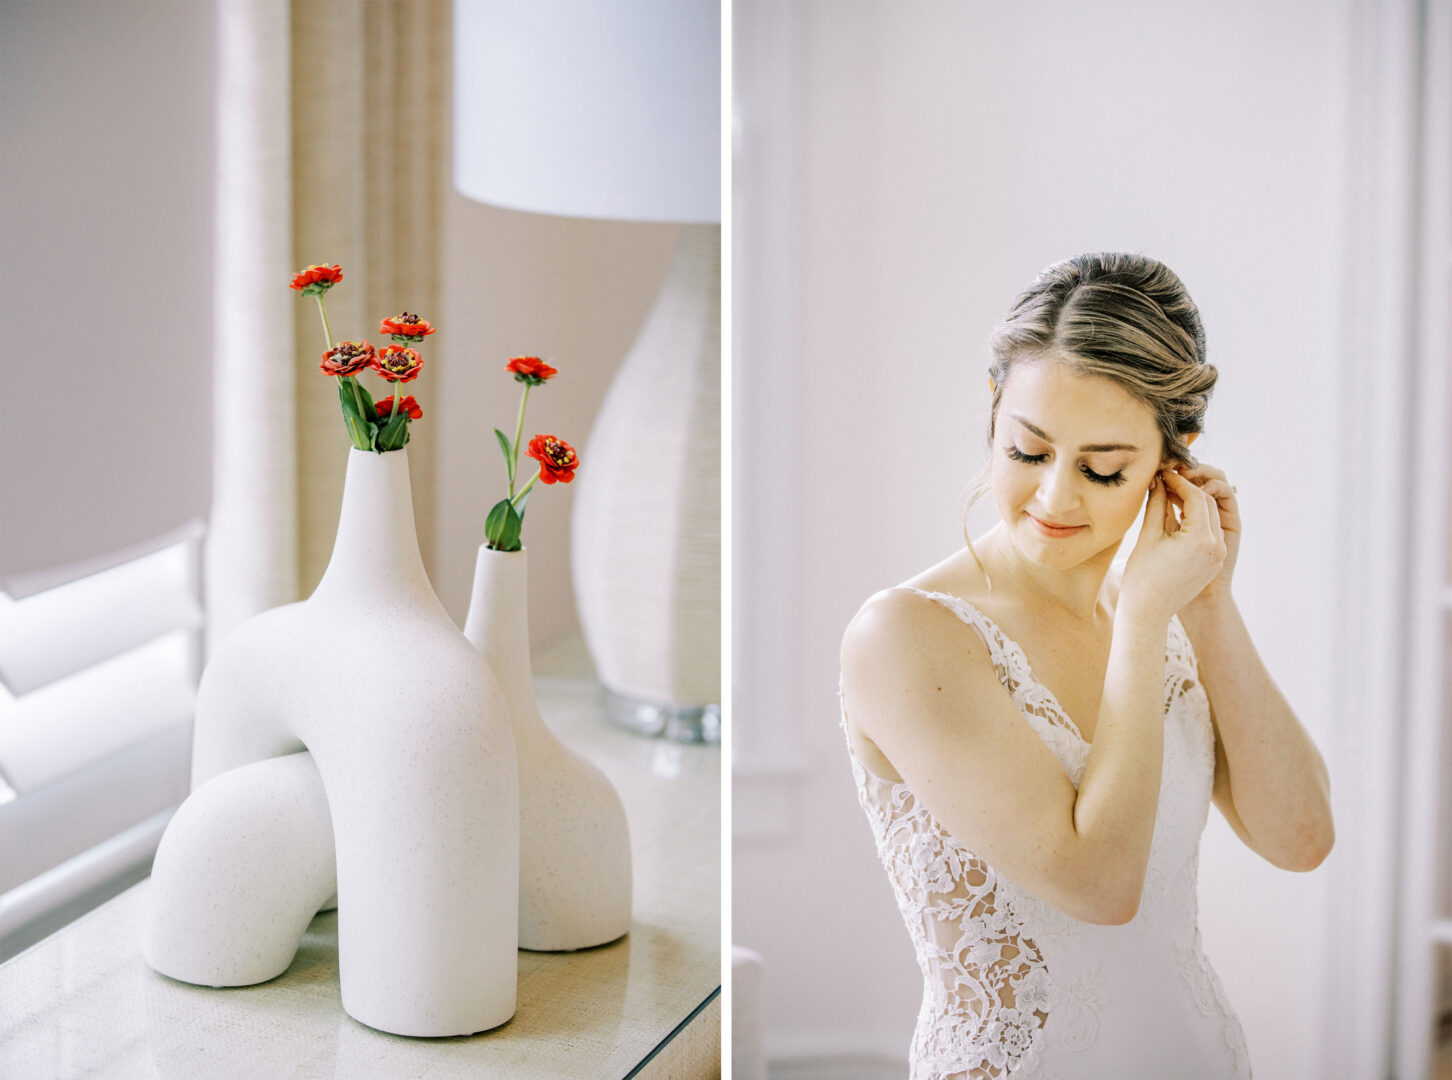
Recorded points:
(947, 152)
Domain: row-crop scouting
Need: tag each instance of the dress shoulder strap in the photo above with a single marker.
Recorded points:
(1035, 700)
(997, 642)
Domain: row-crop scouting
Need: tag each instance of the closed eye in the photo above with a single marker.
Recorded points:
(1112, 479)
(1018, 455)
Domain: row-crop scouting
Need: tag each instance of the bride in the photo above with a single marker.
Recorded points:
(1037, 737)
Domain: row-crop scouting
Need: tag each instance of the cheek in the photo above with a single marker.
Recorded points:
(1128, 502)
(1010, 484)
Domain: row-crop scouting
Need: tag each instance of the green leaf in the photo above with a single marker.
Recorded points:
(519, 502)
(363, 391)
(495, 522)
(394, 433)
(501, 527)
(508, 448)
(345, 398)
(358, 429)
(358, 432)
(512, 529)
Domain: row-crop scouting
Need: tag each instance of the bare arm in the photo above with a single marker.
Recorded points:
(1270, 780)
(949, 729)
(919, 685)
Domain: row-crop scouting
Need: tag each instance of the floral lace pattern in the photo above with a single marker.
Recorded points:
(985, 945)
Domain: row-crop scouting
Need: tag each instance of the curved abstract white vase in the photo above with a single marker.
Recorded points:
(410, 735)
(574, 852)
(242, 869)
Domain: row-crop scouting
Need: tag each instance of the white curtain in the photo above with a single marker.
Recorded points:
(251, 550)
(332, 134)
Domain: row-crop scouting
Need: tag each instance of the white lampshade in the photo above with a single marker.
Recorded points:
(590, 108)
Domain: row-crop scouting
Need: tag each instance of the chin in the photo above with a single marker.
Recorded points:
(1062, 553)
(1049, 552)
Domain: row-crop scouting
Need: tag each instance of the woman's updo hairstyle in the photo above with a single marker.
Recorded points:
(1124, 317)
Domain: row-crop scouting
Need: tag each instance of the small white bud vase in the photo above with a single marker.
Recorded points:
(410, 753)
(574, 851)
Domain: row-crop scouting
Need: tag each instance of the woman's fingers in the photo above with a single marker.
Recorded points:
(1196, 506)
(1209, 479)
(1202, 470)
(1157, 508)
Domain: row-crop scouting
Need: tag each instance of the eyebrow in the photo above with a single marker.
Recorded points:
(1087, 448)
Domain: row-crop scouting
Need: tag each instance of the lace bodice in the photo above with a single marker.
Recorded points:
(1015, 987)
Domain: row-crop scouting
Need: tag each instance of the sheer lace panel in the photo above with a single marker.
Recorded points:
(993, 955)
(986, 997)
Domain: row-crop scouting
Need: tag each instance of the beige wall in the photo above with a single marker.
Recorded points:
(105, 281)
(575, 292)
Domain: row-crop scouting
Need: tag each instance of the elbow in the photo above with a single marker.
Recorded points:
(1111, 907)
(1122, 912)
(1312, 850)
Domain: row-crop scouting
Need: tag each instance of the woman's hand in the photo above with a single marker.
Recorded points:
(1174, 560)
(1213, 482)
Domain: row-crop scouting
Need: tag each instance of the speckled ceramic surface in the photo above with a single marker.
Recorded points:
(81, 1004)
(574, 874)
(410, 734)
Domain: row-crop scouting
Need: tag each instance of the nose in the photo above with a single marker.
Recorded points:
(1058, 493)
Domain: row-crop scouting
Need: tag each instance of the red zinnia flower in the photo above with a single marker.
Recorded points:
(347, 358)
(406, 327)
(398, 364)
(407, 407)
(557, 459)
(530, 369)
(317, 279)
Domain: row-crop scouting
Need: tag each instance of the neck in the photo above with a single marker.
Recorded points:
(1078, 590)
(377, 545)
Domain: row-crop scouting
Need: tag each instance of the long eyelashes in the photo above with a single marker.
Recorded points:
(1114, 479)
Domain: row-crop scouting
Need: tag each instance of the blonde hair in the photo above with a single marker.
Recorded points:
(1125, 317)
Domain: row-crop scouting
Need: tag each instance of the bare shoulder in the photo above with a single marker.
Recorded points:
(900, 632)
(901, 646)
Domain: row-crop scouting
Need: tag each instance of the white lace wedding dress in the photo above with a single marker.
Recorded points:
(1015, 988)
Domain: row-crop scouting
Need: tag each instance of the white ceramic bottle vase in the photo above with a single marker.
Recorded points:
(408, 735)
(646, 543)
(574, 853)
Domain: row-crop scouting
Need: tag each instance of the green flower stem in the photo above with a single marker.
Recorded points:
(358, 399)
(397, 397)
(518, 434)
(525, 490)
(327, 330)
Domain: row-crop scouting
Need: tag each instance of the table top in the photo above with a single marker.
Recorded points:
(83, 1002)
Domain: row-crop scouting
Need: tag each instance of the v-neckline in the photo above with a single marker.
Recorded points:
(1063, 713)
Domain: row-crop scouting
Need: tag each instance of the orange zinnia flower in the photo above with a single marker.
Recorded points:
(317, 279)
(407, 407)
(406, 327)
(398, 364)
(347, 358)
(557, 459)
(530, 369)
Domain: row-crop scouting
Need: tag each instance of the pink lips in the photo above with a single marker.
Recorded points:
(1046, 529)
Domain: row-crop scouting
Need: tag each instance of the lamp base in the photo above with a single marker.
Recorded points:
(661, 720)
